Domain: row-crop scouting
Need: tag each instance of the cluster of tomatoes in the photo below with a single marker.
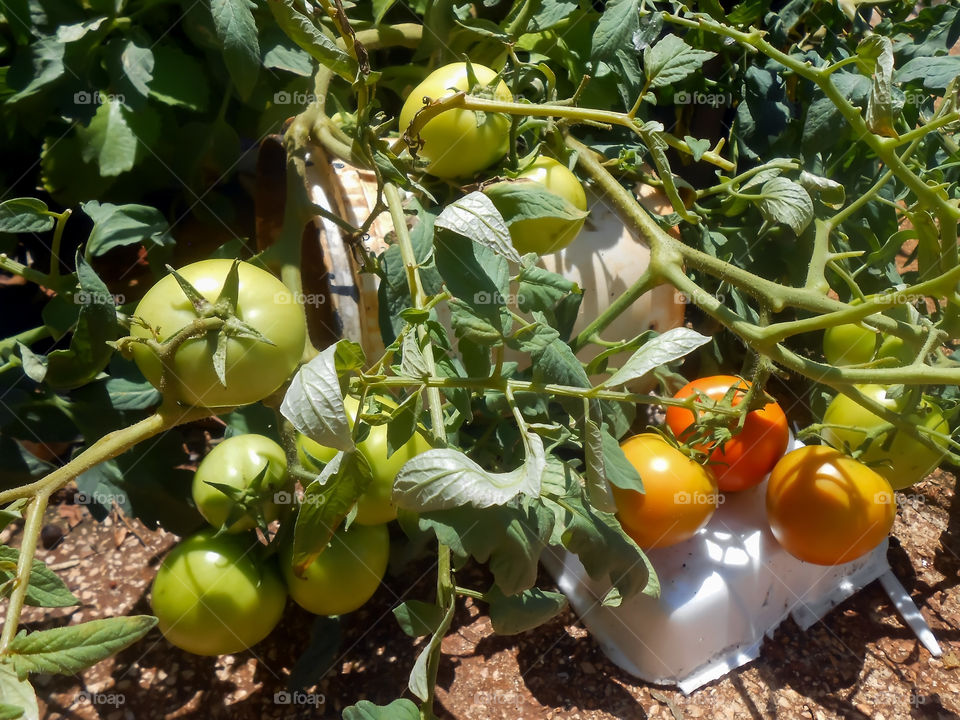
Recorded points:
(823, 506)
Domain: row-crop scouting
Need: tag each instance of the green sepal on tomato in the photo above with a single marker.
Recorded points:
(253, 368)
(212, 595)
(906, 460)
(250, 470)
(342, 577)
(744, 459)
(375, 505)
(459, 143)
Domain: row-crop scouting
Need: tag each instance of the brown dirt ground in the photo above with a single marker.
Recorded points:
(859, 662)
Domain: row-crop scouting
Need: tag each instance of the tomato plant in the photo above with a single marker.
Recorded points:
(679, 495)
(543, 234)
(742, 460)
(211, 596)
(458, 143)
(253, 367)
(254, 469)
(345, 575)
(827, 508)
(900, 458)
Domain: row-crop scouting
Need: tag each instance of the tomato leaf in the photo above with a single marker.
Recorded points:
(784, 201)
(314, 402)
(418, 682)
(403, 422)
(880, 103)
(25, 215)
(417, 618)
(237, 31)
(598, 488)
(319, 657)
(514, 614)
(935, 72)
(446, 478)
(121, 225)
(68, 650)
(475, 216)
(108, 140)
(671, 60)
(660, 350)
(46, 589)
(304, 33)
(19, 698)
(178, 79)
(402, 709)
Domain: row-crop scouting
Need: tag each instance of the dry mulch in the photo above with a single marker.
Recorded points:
(860, 662)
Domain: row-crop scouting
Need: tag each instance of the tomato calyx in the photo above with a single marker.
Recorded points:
(719, 421)
(247, 501)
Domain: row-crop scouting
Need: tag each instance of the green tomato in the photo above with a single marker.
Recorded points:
(907, 460)
(544, 235)
(254, 369)
(345, 575)
(852, 344)
(211, 596)
(237, 461)
(375, 506)
(454, 144)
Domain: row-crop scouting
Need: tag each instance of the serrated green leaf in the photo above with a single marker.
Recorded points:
(598, 488)
(304, 33)
(660, 350)
(403, 423)
(879, 115)
(671, 60)
(45, 588)
(935, 72)
(178, 79)
(314, 402)
(109, 140)
(25, 215)
(19, 701)
(418, 675)
(619, 470)
(41, 67)
(402, 709)
(784, 201)
(615, 29)
(68, 650)
(531, 608)
(120, 225)
(237, 31)
(475, 216)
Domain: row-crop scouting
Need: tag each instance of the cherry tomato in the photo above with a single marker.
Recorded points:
(544, 235)
(679, 494)
(375, 506)
(851, 344)
(907, 460)
(827, 508)
(457, 143)
(237, 461)
(747, 457)
(345, 575)
(212, 597)
(254, 369)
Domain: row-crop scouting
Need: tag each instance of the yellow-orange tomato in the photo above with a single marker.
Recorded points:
(827, 508)
(678, 499)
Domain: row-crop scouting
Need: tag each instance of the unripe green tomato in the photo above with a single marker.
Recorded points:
(345, 575)
(375, 506)
(851, 344)
(254, 369)
(544, 235)
(907, 460)
(453, 143)
(237, 461)
(212, 597)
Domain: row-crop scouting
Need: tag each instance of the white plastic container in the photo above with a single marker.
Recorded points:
(722, 592)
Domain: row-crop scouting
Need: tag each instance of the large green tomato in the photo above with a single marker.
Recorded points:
(345, 575)
(237, 461)
(907, 460)
(454, 143)
(851, 344)
(254, 369)
(544, 235)
(375, 506)
(211, 596)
